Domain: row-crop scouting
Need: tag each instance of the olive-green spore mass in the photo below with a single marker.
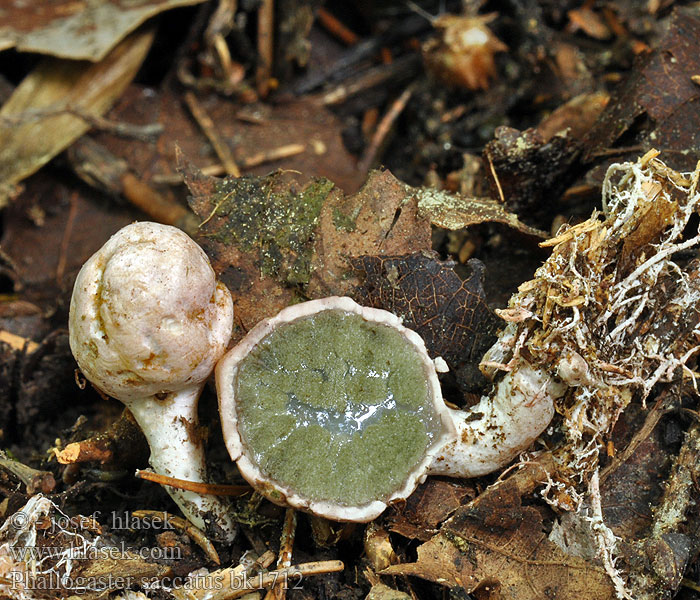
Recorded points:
(336, 408)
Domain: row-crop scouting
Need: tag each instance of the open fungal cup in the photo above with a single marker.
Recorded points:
(148, 321)
(336, 409)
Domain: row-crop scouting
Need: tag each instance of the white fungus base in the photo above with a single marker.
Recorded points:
(501, 426)
(170, 426)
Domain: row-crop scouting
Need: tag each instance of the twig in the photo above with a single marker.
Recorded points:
(333, 26)
(266, 25)
(279, 591)
(34, 480)
(99, 168)
(209, 129)
(345, 66)
(498, 183)
(245, 163)
(401, 69)
(292, 575)
(372, 153)
(213, 489)
(17, 342)
(155, 205)
(195, 534)
(216, 585)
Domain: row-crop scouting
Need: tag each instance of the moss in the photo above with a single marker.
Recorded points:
(278, 224)
(337, 408)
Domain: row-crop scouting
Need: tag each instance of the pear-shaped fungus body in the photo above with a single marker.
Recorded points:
(148, 321)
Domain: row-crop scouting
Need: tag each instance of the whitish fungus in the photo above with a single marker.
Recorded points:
(148, 321)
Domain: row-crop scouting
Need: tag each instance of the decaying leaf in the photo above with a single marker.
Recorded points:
(41, 118)
(496, 542)
(662, 87)
(282, 238)
(431, 504)
(454, 211)
(381, 219)
(463, 53)
(450, 314)
(76, 30)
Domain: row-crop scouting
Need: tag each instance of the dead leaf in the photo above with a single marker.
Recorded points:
(661, 86)
(427, 507)
(277, 239)
(577, 115)
(39, 121)
(477, 548)
(76, 30)
(454, 211)
(450, 315)
(636, 485)
(381, 219)
(463, 53)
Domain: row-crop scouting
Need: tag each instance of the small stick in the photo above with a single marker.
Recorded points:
(34, 480)
(378, 77)
(383, 129)
(209, 129)
(292, 575)
(263, 74)
(194, 533)
(245, 163)
(155, 205)
(284, 561)
(213, 489)
(498, 183)
(333, 26)
(88, 450)
(17, 342)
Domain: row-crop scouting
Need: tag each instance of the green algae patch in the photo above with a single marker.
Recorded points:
(274, 220)
(343, 222)
(337, 408)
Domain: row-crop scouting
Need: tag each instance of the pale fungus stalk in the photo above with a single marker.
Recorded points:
(148, 321)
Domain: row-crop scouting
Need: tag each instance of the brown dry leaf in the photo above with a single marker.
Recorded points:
(497, 543)
(36, 123)
(258, 233)
(454, 211)
(663, 88)
(577, 115)
(427, 507)
(451, 315)
(76, 30)
(280, 238)
(381, 219)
